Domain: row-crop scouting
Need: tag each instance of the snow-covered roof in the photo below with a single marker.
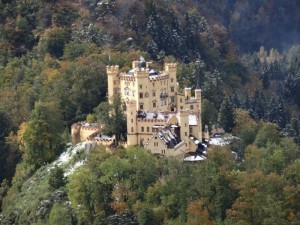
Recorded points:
(159, 115)
(169, 137)
(193, 158)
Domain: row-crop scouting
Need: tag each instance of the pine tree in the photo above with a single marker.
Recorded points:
(265, 79)
(275, 112)
(247, 103)
(270, 114)
(112, 116)
(236, 101)
(257, 106)
(226, 115)
(293, 129)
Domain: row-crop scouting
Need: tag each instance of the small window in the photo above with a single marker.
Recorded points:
(141, 106)
(141, 95)
(142, 129)
(180, 100)
(191, 130)
(172, 99)
(172, 79)
(126, 91)
(131, 120)
(131, 129)
(172, 89)
(181, 107)
(185, 133)
(153, 84)
(191, 107)
(153, 93)
(154, 104)
(148, 129)
(141, 86)
(133, 93)
(115, 82)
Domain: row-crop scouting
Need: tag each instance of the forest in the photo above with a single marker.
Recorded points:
(245, 56)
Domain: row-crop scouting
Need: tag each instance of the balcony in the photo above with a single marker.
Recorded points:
(163, 95)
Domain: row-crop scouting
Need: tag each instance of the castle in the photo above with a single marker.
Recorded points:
(159, 116)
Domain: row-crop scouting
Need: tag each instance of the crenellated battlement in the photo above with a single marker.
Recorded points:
(159, 77)
(142, 120)
(170, 67)
(112, 69)
(141, 72)
(90, 128)
(127, 78)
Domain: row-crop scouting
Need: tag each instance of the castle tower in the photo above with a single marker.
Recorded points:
(198, 99)
(75, 133)
(113, 82)
(171, 69)
(141, 75)
(131, 123)
(184, 125)
(198, 94)
(187, 92)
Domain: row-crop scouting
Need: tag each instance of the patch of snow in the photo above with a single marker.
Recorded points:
(68, 155)
(194, 158)
(73, 168)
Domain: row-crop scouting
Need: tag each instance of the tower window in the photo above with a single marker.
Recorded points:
(141, 86)
(142, 129)
(141, 95)
(172, 79)
(172, 89)
(191, 107)
(131, 129)
(141, 106)
(126, 91)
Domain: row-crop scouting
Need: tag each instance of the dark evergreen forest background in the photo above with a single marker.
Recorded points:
(245, 55)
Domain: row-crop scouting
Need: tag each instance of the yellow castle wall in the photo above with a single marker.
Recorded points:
(145, 90)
